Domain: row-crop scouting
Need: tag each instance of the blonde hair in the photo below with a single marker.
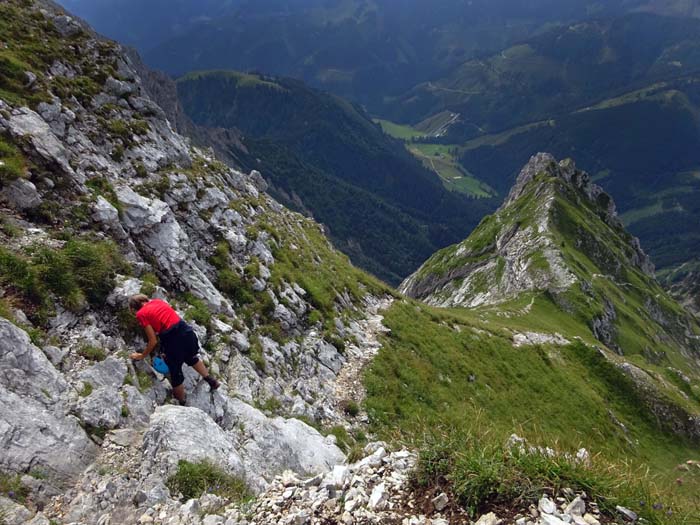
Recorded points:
(137, 301)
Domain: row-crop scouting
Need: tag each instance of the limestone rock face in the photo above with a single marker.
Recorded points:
(31, 436)
(25, 370)
(255, 447)
(104, 167)
(519, 248)
(185, 433)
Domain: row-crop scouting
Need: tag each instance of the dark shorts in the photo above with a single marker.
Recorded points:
(179, 345)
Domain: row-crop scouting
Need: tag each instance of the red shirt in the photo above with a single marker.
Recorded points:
(158, 314)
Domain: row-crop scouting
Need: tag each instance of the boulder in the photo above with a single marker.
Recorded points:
(272, 445)
(25, 370)
(21, 195)
(186, 433)
(31, 436)
(108, 373)
(102, 408)
(12, 513)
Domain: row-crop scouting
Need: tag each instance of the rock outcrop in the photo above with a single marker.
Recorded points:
(518, 249)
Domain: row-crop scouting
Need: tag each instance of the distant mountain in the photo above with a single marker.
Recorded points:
(325, 155)
(643, 147)
(362, 49)
(566, 68)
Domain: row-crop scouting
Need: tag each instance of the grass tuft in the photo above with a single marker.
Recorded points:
(192, 480)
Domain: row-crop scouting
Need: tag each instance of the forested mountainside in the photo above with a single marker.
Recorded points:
(322, 154)
(101, 199)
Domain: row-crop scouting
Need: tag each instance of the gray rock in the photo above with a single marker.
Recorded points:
(13, 513)
(118, 88)
(25, 370)
(549, 519)
(31, 436)
(102, 408)
(21, 195)
(55, 354)
(26, 123)
(440, 502)
(576, 508)
(379, 498)
(140, 407)
(488, 519)
(152, 223)
(546, 505)
(39, 519)
(107, 215)
(177, 433)
(108, 373)
(66, 25)
(626, 513)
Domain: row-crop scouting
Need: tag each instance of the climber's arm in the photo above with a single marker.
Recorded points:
(152, 342)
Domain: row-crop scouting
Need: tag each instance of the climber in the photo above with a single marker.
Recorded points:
(178, 341)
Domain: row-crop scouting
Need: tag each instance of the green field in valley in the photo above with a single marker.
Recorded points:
(439, 158)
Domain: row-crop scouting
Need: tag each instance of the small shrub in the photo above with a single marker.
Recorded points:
(101, 186)
(9, 228)
(95, 265)
(125, 411)
(199, 312)
(11, 487)
(86, 390)
(144, 379)
(252, 269)
(12, 164)
(271, 404)
(140, 170)
(92, 353)
(119, 128)
(315, 317)
(220, 258)
(128, 325)
(139, 127)
(118, 153)
(192, 480)
(149, 283)
(351, 408)
(256, 354)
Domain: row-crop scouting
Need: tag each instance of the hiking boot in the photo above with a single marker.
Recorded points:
(213, 383)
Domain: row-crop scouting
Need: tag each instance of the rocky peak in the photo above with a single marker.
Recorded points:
(565, 170)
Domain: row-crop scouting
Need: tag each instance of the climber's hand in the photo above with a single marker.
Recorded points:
(136, 356)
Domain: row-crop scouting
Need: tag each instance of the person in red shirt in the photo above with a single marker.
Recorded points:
(178, 341)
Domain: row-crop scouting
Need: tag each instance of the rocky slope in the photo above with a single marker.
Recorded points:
(100, 200)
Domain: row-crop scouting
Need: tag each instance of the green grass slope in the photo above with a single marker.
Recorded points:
(572, 344)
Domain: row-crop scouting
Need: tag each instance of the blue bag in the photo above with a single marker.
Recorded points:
(160, 366)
